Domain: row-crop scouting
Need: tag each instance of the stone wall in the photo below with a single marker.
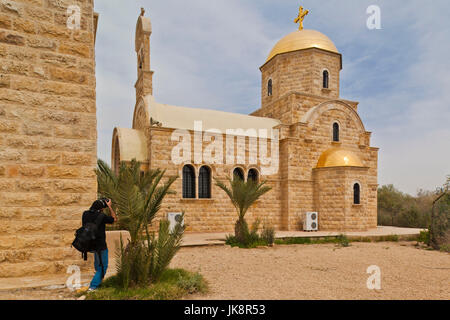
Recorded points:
(333, 199)
(47, 133)
(216, 214)
(301, 71)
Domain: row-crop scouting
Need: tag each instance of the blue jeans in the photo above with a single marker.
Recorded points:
(98, 269)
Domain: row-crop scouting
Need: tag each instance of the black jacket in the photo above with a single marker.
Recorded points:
(91, 216)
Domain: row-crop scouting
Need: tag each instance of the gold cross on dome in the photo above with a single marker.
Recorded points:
(301, 16)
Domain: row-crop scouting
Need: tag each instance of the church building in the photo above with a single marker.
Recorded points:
(308, 144)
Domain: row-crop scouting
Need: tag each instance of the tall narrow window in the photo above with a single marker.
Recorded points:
(356, 193)
(325, 79)
(336, 132)
(116, 156)
(253, 175)
(238, 173)
(188, 182)
(269, 88)
(204, 183)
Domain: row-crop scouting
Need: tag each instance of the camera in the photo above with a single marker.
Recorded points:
(104, 202)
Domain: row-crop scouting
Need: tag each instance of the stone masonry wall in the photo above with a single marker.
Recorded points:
(47, 133)
(334, 199)
(301, 71)
(216, 214)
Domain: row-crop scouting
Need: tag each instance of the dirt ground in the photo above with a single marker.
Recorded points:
(305, 272)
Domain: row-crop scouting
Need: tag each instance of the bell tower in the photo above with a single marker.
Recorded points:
(305, 62)
(144, 83)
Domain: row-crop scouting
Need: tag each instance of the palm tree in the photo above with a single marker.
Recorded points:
(138, 196)
(243, 195)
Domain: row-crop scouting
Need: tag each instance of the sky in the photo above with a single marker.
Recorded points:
(207, 54)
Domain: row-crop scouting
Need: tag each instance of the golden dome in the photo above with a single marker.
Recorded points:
(302, 39)
(338, 157)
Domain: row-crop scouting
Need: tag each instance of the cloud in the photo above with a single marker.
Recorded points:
(208, 53)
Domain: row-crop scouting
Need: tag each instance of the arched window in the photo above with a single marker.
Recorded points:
(188, 182)
(336, 132)
(325, 79)
(116, 163)
(356, 193)
(269, 88)
(239, 173)
(204, 183)
(253, 175)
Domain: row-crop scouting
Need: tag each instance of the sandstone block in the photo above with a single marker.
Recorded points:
(24, 25)
(41, 43)
(78, 159)
(36, 129)
(60, 74)
(52, 31)
(37, 13)
(7, 126)
(22, 142)
(33, 186)
(21, 199)
(7, 185)
(63, 172)
(72, 132)
(58, 60)
(31, 171)
(58, 88)
(5, 21)
(10, 38)
(67, 118)
(75, 49)
(75, 186)
(12, 8)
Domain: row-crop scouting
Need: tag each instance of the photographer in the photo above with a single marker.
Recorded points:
(95, 215)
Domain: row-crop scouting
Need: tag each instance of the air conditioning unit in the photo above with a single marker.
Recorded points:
(174, 218)
(311, 221)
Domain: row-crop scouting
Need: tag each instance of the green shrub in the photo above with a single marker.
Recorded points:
(173, 284)
(243, 194)
(424, 237)
(137, 198)
(343, 240)
(268, 234)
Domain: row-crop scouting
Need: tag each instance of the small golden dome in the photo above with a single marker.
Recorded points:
(302, 39)
(338, 157)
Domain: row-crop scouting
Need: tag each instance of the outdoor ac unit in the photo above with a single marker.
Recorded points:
(174, 218)
(311, 221)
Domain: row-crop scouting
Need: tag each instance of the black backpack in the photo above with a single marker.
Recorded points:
(86, 236)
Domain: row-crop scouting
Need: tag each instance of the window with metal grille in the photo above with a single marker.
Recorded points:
(204, 183)
(269, 88)
(239, 173)
(336, 132)
(356, 193)
(188, 182)
(253, 175)
(325, 79)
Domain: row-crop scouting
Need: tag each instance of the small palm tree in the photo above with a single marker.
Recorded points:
(138, 197)
(243, 195)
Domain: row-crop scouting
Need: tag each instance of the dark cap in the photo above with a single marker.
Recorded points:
(97, 205)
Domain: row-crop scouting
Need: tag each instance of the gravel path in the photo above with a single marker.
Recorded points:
(305, 272)
(320, 271)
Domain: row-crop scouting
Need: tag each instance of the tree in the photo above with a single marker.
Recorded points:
(390, 201)
(243, 195)
(138, 197)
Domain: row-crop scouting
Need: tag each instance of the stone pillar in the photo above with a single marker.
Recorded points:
(48, 134)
